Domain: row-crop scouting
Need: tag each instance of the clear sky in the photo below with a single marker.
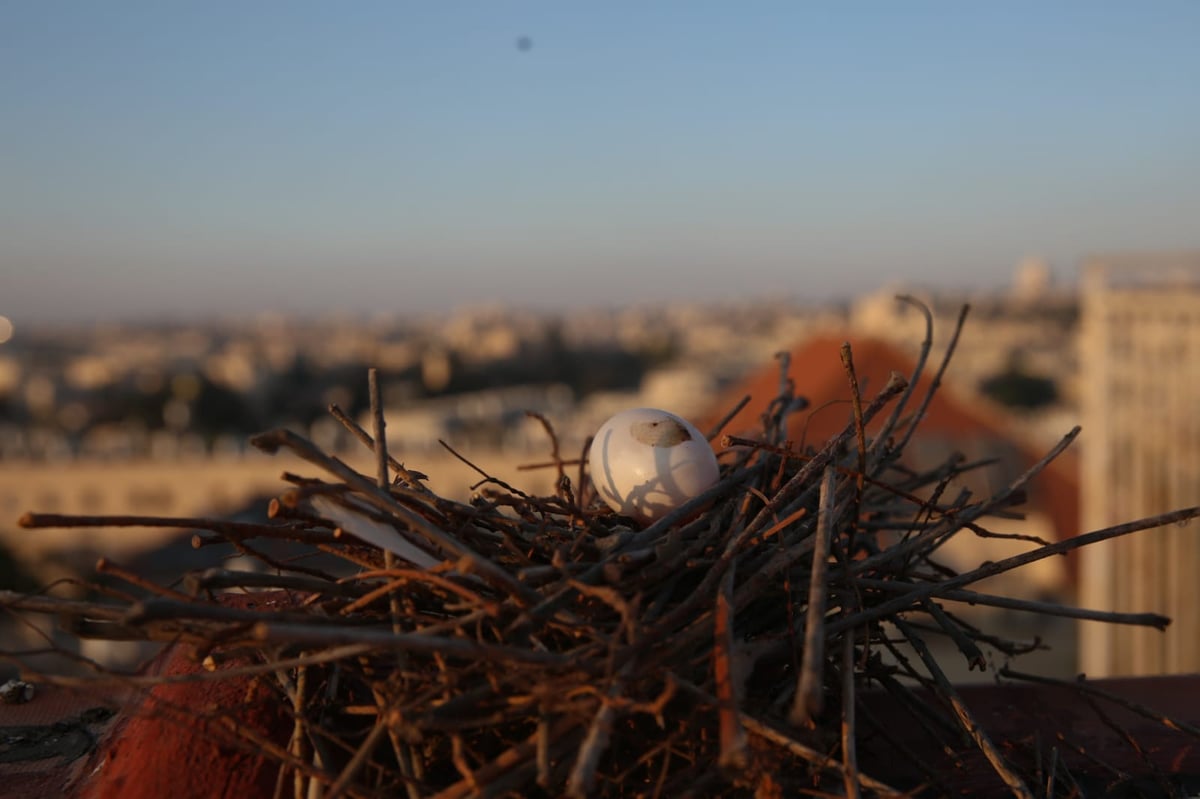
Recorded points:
(195, 158)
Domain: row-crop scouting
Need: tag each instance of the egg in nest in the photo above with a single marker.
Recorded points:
(645, 462)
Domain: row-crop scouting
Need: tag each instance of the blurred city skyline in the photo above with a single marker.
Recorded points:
(215, 159)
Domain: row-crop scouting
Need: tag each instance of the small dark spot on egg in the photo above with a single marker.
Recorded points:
(660, 433)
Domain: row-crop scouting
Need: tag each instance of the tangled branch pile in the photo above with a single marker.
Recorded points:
(554, 648)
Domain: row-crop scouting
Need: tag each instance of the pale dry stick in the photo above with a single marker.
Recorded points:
(860, 430)
(487, 478)
(379, 425)
(904, 602)
(293, 745)
(969, 725)
(849, 747)
(1051, 774)
(926, 345)
(106, 566)
(937, 379)
(595, 743)
(969, 649)
(382, 479)
(413, 479)
(777, 432)
(296, 745)
(583, 774)
(896, 586)
(732, 734)
(555, 457)
(405, 758)
(585, 485)
(272, 441)
(810, 690)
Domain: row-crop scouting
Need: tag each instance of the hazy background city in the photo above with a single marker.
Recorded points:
(214, 217)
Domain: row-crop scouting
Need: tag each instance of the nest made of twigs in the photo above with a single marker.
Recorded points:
(558, 649)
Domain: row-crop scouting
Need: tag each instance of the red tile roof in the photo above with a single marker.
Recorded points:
(816, 368)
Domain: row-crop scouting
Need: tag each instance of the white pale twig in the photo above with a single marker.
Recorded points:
(381, 535)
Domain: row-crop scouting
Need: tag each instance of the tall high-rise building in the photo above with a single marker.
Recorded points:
(1140, 358)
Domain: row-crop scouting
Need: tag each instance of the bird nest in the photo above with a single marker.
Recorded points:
(551, 647)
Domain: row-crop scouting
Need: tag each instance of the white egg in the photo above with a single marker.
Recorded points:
(645, 462)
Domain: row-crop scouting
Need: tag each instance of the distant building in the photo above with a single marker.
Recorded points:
(1032, 280)
(1141, 409)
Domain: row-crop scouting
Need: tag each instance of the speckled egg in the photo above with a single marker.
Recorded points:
(646, 462)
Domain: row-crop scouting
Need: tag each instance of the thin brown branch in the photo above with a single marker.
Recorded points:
(969, 725)
(849, 734)
(810, 690)
(411, 478)
(732, 735)
(727, 418)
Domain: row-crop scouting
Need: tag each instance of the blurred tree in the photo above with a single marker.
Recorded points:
(124, 403)
(218, 410)
(13, 574)
(293, 396)
(1017, 388)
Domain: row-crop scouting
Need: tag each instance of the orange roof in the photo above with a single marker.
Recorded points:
(816, 368)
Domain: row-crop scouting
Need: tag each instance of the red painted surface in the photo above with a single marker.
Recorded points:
(174, 744)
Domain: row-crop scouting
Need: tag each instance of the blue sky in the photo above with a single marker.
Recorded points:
(199, 158)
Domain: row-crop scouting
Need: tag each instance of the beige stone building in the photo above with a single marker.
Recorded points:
(1140, 354)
